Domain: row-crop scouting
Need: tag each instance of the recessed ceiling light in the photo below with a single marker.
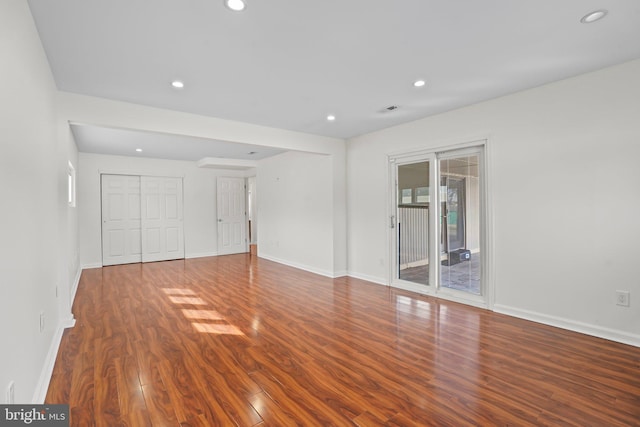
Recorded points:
(331, 117)
(419, 83)
(593, 16)
(177, 84)
(139, 150)
(235, 5)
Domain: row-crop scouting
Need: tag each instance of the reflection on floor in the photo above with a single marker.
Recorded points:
(464, 276)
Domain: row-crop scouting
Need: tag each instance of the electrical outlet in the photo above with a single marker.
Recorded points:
(10, 397)
(42, 321)
(622, 298)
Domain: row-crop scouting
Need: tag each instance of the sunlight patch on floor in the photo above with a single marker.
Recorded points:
(189, 297)
(217, 328)
(202, 314)
(187, 300)
(178, 291)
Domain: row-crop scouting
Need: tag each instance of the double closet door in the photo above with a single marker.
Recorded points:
(142, 219)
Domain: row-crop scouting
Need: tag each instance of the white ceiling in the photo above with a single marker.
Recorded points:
(124, 142)
(289, 63)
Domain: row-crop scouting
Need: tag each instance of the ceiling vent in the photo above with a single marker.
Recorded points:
(389, 109)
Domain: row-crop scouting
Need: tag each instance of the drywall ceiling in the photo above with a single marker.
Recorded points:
(289, 63)
(126, 142)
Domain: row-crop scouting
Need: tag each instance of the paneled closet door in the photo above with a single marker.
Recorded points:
(142, 219)
(161, 218)
(121, 242)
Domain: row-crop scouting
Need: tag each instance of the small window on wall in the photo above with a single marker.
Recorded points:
(71, 185)
(406, 196)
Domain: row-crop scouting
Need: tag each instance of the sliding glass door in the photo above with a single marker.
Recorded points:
(412, 213)
(437, 223)
(460, 266)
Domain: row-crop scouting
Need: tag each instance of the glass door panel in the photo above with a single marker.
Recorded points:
(412, 224)
(459, 179)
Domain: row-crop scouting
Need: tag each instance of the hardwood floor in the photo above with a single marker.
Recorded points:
(236, 340)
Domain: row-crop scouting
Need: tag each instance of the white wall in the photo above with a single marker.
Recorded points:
(564, 177)
(104, 112)
(339, 208)
(295, 211)
(68, 251)
(295, 206)
(37, 252)
(200, 214)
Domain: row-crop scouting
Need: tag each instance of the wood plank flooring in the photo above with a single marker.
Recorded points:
(236, 340)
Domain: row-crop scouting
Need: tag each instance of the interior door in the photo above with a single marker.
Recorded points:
(161, 219)
(121, 242)
(232, 226)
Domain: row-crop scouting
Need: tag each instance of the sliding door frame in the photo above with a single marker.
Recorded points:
(478, 147)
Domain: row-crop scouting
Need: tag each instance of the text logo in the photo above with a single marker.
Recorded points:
(34, 415)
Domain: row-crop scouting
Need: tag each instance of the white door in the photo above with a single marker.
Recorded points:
(161, 219)
(232, 227)
(121, 242)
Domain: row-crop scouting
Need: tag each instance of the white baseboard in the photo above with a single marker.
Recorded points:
(47, 369)
(340, 273)
(572, 325)
(412, 287)
(422, 290)
(201, 255)
(300, 266)
(373, 279)
(94, 265)
(74, 288)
